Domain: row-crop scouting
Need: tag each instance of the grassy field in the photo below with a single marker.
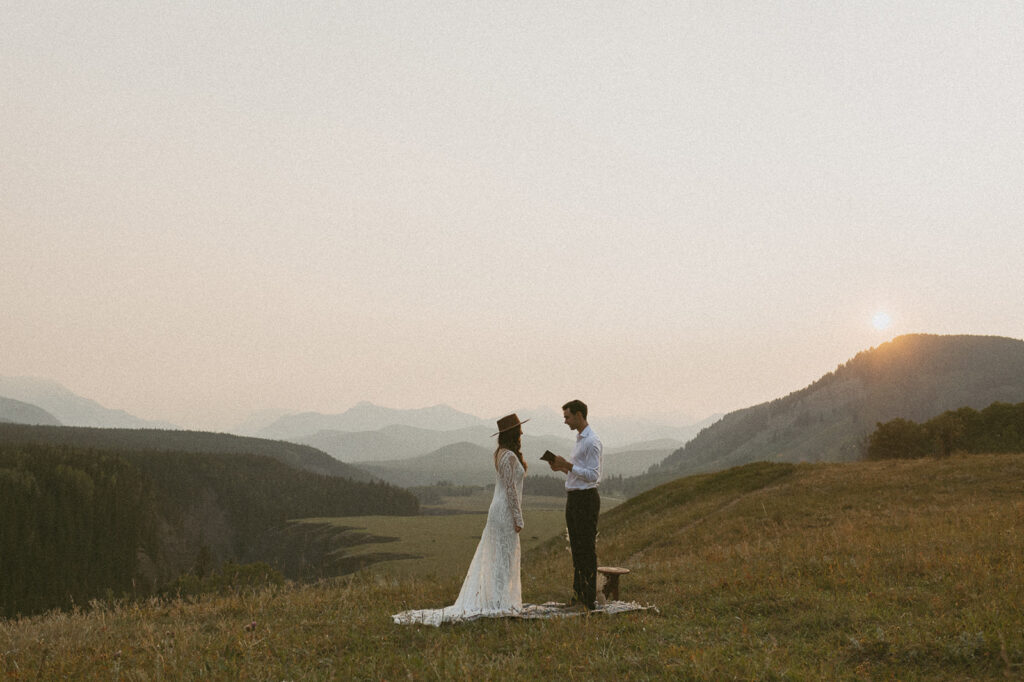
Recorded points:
(909, 570)
(444, 544)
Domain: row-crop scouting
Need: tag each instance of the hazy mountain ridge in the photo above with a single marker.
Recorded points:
(295, 455)
(393, 442)
(366, 416)
(913, 377)
(636, 459)
(18, 412)
(364, 433)
(459, 463)
(464, 463)
(468, 463)
(71, 409)
(385, 433)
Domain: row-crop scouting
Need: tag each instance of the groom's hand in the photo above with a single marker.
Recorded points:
(518, 528)
(560, 464)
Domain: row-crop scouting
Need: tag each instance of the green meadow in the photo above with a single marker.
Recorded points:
(908, 570)
(442, 545)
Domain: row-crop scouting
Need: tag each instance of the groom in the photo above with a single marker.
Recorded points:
(583, 504)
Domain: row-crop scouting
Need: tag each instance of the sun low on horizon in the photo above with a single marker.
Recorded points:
(881, 321)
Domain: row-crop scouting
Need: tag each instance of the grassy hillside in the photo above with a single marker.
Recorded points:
(912, 377)
(871, 570)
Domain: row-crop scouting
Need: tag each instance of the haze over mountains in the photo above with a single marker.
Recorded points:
(367, 417)
(465, 463)
(364, 433)
(916, 377)
(17, 412)
(68, 408)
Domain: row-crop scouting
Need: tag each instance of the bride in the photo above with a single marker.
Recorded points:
(492, 586)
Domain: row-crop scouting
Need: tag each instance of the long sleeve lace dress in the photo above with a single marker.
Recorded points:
(493, 585)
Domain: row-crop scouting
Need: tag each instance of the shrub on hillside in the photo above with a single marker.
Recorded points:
(999, 428)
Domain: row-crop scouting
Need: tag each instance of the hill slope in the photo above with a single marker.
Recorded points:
(153, 440)
(77, 521)
(69, 408)
(18, 412)
(912, 377)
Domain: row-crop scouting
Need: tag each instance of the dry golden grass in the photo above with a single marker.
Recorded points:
(910, 570)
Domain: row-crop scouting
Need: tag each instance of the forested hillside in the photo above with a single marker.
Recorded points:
(912, 377)
(72, 527)
(77, 522)
(160, 440)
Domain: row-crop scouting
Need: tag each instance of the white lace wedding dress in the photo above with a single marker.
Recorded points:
(493, 585)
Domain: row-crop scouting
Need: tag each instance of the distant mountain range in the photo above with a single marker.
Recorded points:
(915, 377)
(369, 433)
(465, 463)
(394, 442)
(366, 432)
(68, 408)
(369, 417)
(17, 412)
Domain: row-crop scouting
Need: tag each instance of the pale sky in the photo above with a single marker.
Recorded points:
(680, 208)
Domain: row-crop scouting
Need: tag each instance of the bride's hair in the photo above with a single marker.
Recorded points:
(511, 440)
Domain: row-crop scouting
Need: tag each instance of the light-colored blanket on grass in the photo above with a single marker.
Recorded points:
(554, 609)
(551, 609)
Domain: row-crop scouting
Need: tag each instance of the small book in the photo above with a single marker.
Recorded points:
(548, 456)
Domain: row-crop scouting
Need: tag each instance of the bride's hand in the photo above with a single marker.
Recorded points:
(518, 528)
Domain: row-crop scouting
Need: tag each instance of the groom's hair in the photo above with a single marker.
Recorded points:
(576, 406)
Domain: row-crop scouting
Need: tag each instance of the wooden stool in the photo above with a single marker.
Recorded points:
(611, 581)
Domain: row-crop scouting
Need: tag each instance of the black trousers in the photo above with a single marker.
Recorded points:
(581, 511)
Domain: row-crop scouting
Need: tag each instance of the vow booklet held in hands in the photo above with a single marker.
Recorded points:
(548, 456)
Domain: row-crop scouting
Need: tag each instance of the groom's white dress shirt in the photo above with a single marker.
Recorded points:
(586, 461)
